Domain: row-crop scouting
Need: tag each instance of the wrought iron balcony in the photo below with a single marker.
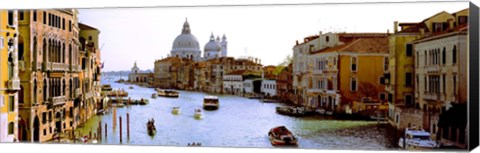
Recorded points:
(431, 96)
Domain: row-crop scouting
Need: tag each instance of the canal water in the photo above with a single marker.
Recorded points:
(239, 122)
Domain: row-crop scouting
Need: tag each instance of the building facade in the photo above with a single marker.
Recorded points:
(9, 80)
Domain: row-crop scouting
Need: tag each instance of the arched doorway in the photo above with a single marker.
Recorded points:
(22, 130)
(58, 122)
(36, 129)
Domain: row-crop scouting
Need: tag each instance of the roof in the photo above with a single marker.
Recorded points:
(238, 72)
(83, 26)
(415, 28)
(460, 28)
(361, 45)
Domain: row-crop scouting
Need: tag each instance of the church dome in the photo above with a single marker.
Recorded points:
(212, 45)
(186, 40)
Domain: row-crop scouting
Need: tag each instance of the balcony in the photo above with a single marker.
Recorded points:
(314, 90)
(59, 67)
(431, 96)
(74, 68)
(60, 100)
(331, 91)
(433, 68)
(13, 85)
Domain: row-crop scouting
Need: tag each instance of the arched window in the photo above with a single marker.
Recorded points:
(353, 84)
(444, 56)
(20, 95)
(64, 88)
(10, 128)
(454, 54)
(35, 90)
(385, 68)
(354, 64)
(45, 92)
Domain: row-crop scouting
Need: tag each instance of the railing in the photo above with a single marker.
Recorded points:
(314, 90)
(59, 66)
(431, 96)
(433, 68)
(331, 91)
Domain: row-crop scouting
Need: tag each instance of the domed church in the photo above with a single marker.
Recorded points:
(186, 46)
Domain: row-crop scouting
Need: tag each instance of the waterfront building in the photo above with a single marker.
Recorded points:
(349, 72)
(269, 87)
(400, 79)
(9, 79)
(174, 72)
(91, 68)
(441, 80)
(47, 47)
(136, 76)
(284, 84)
(233, 82)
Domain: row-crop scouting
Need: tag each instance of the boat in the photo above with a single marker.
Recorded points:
(416, 139)
(270, 100)
(130, 87)
(107, 87)
(329, 112)
(281, 136)
(320, 111)
(154, 95)
(151, 127)
(176, 110)
(168, 93)
(290, 111)
(210, 103)
(142, 101)
(198, 114)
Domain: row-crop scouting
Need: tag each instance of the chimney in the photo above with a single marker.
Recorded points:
(422, 32)
(296, 42)
(395, 26)
(450, 24)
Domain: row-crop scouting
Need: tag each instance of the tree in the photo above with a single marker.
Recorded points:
(367, 89)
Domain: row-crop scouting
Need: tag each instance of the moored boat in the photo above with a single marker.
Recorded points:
(416, 139)
(154, 95)
(281, 136)
(168, 93)
(210, 102)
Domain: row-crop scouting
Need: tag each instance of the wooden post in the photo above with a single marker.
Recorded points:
(106, 136)
(120, 119)
(128, 126)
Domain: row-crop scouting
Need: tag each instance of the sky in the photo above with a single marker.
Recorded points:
(266, 32)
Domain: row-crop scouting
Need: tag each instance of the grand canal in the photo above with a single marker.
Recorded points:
(239, 122)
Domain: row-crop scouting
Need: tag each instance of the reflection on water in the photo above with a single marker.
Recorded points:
(239, 122)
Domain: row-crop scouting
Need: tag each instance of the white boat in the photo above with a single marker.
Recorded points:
(210, 103)
(176, 110)
(417, 140)
(329, 112)
(168, 93)
(154, 95)
(198, 114)
(281, 136)
(320, 111)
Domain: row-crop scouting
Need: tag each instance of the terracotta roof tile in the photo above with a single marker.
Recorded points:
(83, 26)
(361, 45)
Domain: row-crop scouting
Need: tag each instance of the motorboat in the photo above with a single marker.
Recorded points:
(281, 136)
(210, 103)
(154, 95)
(198, 113)
(151, 127)
(290, 111)
(416, 139)
(107, 87)
(130, 87)
(168, 93)
(176, 110)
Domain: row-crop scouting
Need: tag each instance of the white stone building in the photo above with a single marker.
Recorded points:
(215, 48)
(233, 82)
(186, 45)
(269, 87)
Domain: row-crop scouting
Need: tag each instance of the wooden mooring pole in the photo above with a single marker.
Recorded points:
(120, 119)
(106, 131)
(128, 126)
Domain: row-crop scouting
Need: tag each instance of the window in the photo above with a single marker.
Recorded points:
(353, 84)
(454, 54)
(408, 99)
(44, 117)
(454, 85)
(10, 128)
(2, 42)
(311, 48)
(382, 96)
(63, 24)
(327, 38)
(21, 15)
(390, 97)
(11, 103)
(34, 16)
(444, 55)
(44, 132)
(439, 26)
(354, 64)
(70, 26)
(443, 83)
(10, 18)
(408, 79)
(385, 66)
(409, 50)
(462, 20)
(44, 17)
